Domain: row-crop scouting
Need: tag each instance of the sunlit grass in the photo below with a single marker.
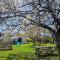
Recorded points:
(16, 50)
(19, 49)
(48, 44)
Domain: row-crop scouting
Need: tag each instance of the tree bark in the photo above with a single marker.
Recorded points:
(58, 41)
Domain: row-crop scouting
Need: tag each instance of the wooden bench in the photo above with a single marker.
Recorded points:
(48, 49)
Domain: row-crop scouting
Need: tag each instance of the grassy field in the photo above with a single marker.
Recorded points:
(22, 49)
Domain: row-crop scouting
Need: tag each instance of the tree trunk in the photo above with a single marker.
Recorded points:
(58, 41)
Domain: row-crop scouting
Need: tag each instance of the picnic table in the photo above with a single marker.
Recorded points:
(48, 49)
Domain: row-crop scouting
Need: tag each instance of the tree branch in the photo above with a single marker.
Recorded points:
(41, 25)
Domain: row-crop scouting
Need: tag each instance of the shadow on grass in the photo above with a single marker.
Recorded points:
(31, 56)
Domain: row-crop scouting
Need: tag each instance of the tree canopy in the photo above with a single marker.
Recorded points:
(44, 13)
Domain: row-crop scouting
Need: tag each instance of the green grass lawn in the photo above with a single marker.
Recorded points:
(19, 49)
(24, 48)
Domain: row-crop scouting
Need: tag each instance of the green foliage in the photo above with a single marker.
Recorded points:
(48, 39)
(29, 40)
